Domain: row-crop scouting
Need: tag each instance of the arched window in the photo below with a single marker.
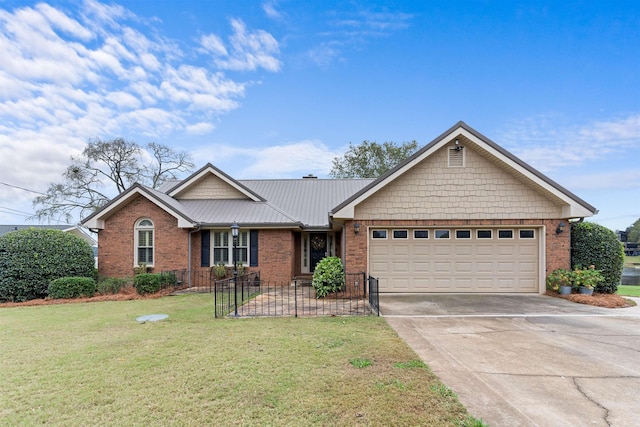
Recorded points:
(144, 242)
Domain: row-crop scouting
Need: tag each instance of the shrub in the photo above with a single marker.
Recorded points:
(593, 244)
(147, 283)
(328, 276)
(72, 287)
(168, 279)
(111, 285)
(31, 259)
(559, 277)
(219, 270)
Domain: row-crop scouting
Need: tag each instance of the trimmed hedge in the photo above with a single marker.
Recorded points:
(31, 259)
(72, 287)
(150, 283)
(328, 276)
(147, 283)
(593, 244)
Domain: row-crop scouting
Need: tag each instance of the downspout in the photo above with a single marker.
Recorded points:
(197, 225)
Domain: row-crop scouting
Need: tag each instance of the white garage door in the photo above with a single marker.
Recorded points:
(455, 259)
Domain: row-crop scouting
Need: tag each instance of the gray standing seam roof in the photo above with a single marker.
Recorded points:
(309, 201)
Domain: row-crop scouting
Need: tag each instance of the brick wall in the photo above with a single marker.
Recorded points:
(276, 259)
(558, 247)
(116, 242)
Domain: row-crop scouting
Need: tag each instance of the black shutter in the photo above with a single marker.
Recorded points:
(253, 248)
(205, 248)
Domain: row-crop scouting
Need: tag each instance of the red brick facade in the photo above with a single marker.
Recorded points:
(116, 242)
(557, 246)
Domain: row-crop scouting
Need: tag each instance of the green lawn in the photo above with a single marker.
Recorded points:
(93, 364)
(629, 261)
(629, 291)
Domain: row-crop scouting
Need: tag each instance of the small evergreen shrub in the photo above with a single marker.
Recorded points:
(328, 276)
(597, 246)
(111, 285)
(147, 283)
(72, 287)
(168, 279)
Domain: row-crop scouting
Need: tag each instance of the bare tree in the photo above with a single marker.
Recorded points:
(105, 169)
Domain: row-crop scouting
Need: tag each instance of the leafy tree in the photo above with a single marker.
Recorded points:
(30, 259)
(633, 232)
(107, 168)
(593, 244)
(370, 159)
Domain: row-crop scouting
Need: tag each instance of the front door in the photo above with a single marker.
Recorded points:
(318, 248)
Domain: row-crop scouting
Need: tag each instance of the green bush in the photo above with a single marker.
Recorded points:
(72, 287)
(31, 259)
(168, 279)
(147, 283)
(111, 285)
(593, 244)
(328, 276)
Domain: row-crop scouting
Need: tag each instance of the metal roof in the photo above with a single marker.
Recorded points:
(308, 200)
(4, 229)
(242, 211)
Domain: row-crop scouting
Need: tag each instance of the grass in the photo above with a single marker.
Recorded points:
(93, 364)
(629, 261)
(628, 291)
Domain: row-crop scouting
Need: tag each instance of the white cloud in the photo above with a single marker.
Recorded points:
(269, 8)
(71, 75)
(248, 50)
(629, 178)
(549, 143)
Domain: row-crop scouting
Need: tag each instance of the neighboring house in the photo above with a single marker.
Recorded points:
(73, 229)
(460, 215)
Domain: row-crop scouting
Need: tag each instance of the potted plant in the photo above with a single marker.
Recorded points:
(219, 271)
(561, 281)
(587, 279)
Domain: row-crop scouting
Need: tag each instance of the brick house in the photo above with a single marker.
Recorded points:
(460, 215)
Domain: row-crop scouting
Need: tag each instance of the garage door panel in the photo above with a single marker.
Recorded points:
(456, 265)
(442, 267)
(421, 267)
(421, 250)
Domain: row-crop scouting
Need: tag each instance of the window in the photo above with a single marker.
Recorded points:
(463, 234)
(400, 234)
(379, 234)
(223, 248)
(527, 234)
(441, 234)
(484, 234)
(144, 242)
(420, 234)
(505, 234)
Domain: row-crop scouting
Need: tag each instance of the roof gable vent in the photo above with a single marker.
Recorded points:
(456, 157)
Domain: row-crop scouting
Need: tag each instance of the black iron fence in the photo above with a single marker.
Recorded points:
(252, 297)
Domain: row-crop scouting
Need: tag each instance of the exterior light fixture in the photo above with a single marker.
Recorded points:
(234, 232)
(356, 227)
(560, 228)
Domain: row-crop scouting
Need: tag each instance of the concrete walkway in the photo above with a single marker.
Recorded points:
(527, 360)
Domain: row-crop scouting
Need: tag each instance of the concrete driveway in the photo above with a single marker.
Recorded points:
(527, 360)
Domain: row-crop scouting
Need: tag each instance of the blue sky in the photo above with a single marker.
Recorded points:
(277, 89)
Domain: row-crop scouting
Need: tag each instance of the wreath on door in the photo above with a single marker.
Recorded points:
(318, 243)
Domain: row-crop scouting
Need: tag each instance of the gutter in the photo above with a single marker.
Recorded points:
(197, 229)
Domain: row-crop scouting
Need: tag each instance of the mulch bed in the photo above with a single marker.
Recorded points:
(598, 300)
(126, 294)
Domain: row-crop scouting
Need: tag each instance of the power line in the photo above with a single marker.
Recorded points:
(15, 210)
(21, 188)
